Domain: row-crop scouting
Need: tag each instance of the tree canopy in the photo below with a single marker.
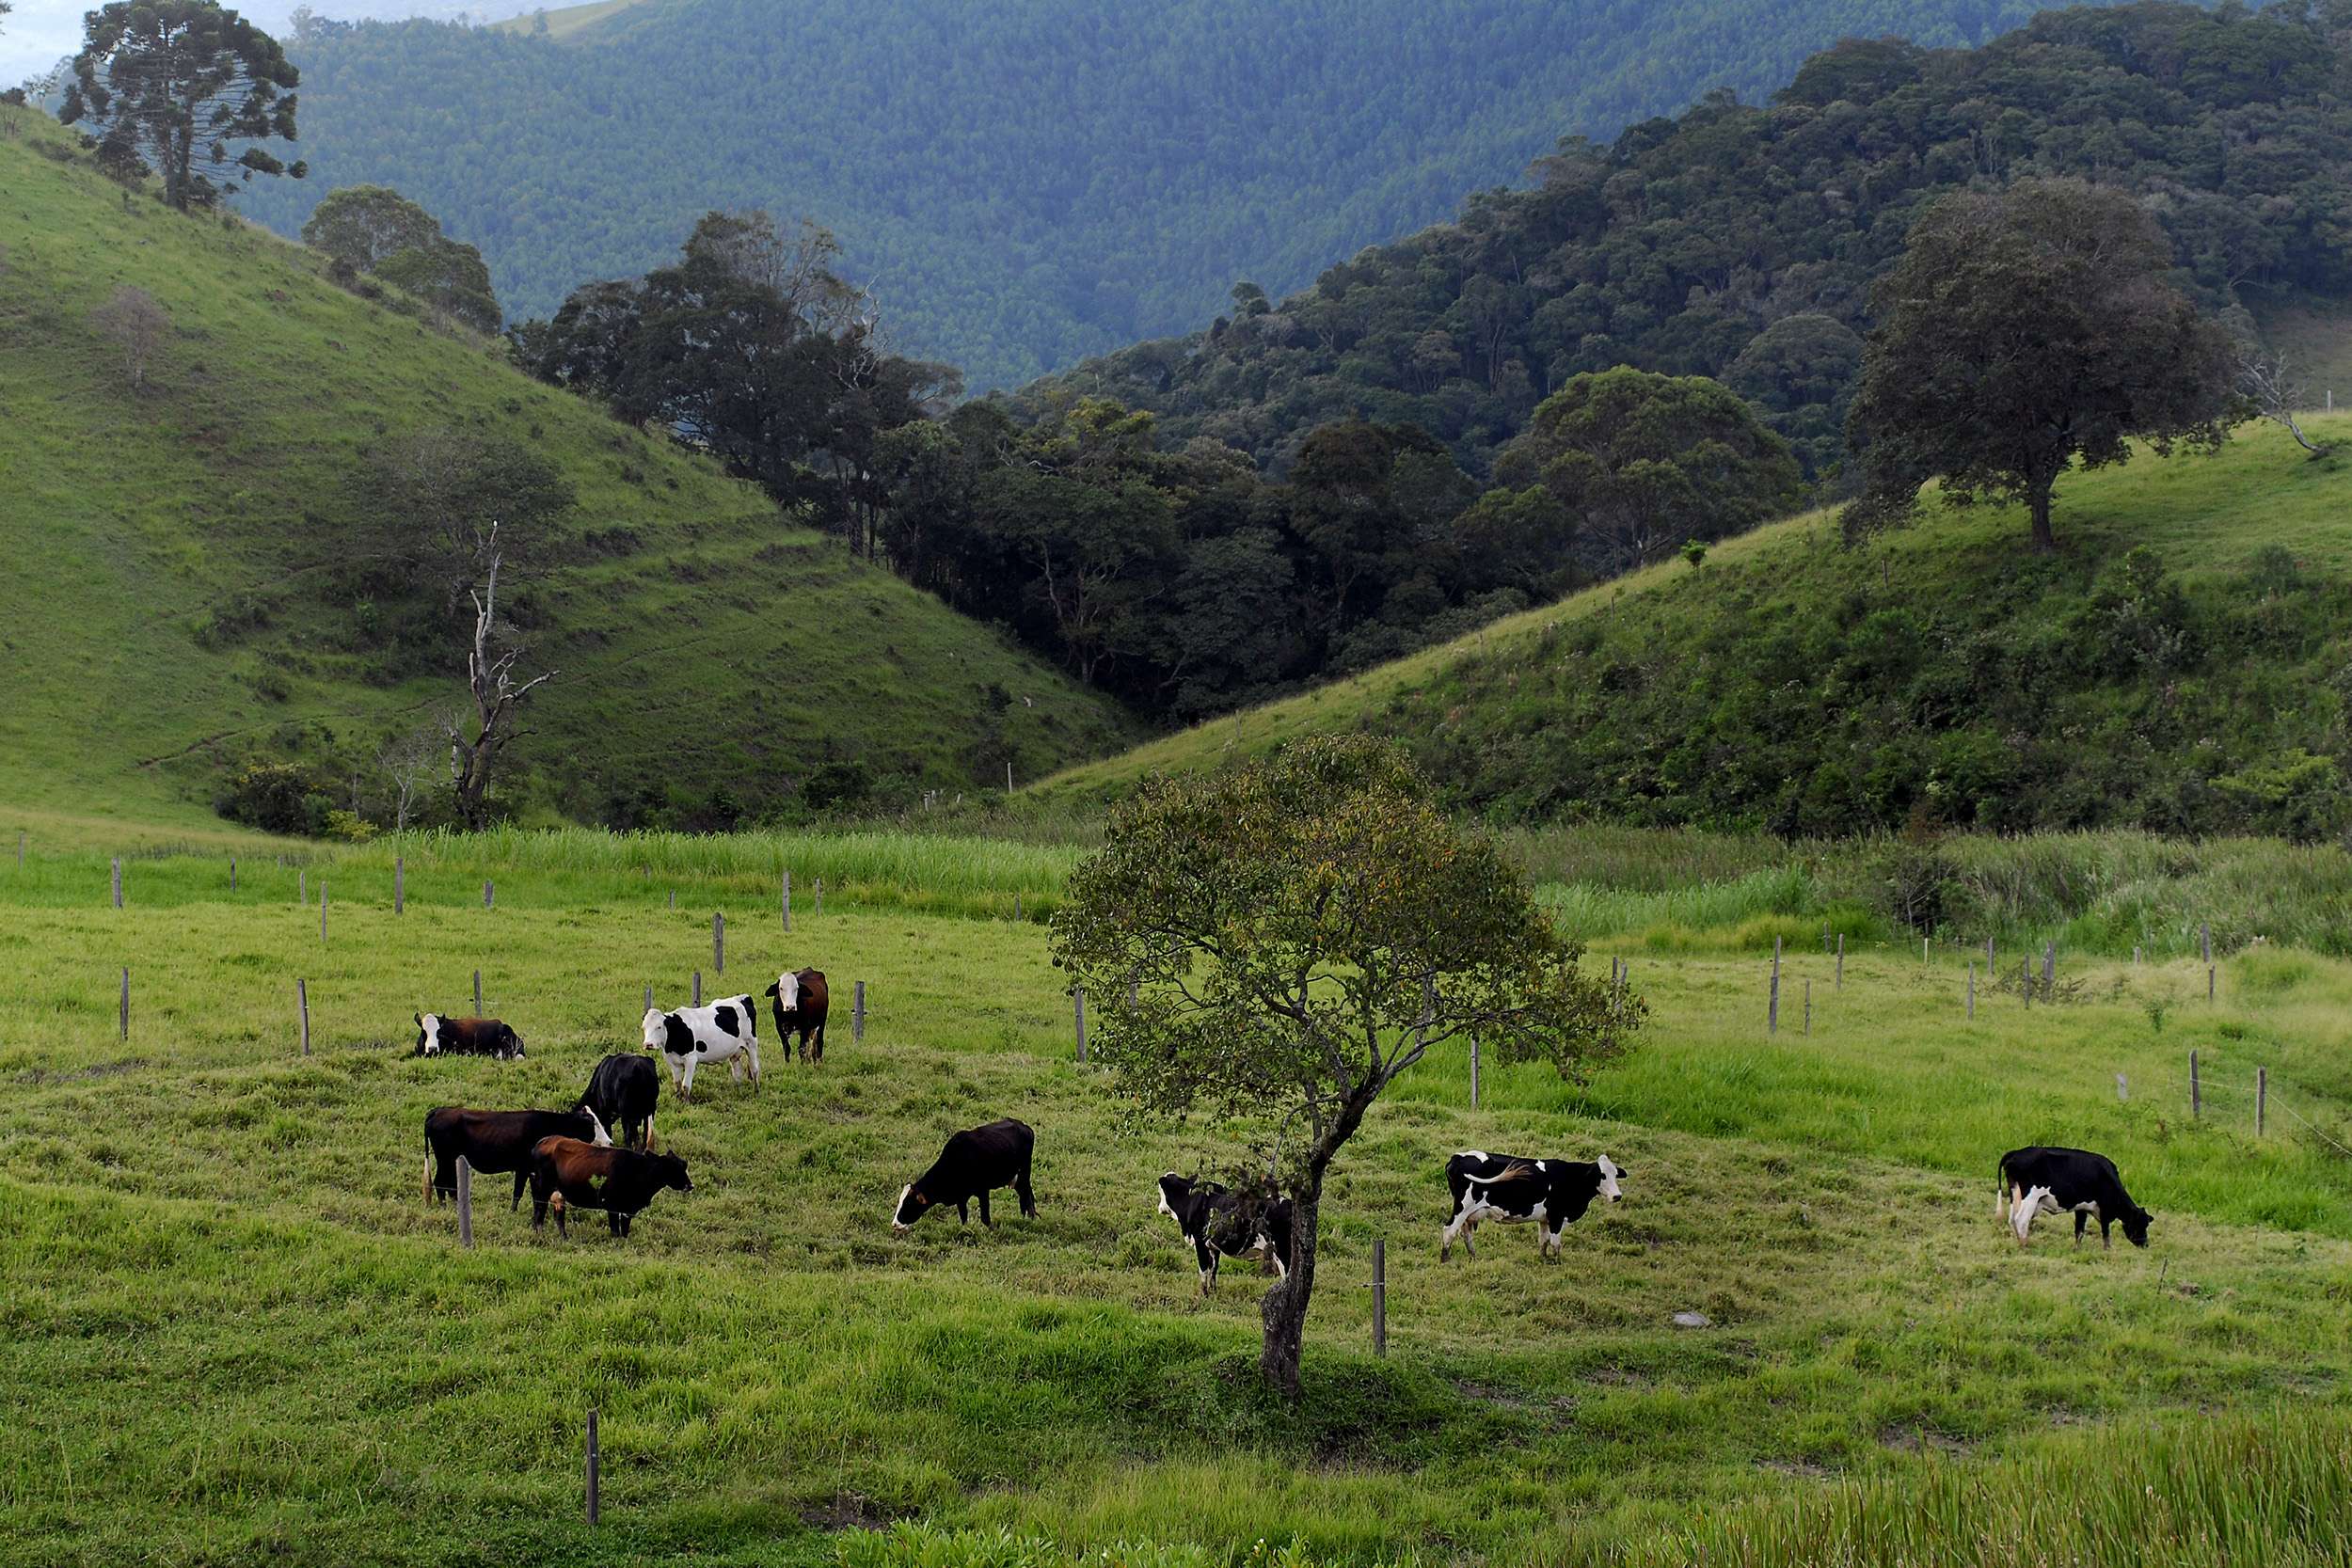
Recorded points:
(2028, 329)
(375, 230)
(1297, 934)
(175, 86)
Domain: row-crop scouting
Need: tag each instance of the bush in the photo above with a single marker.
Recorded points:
(277, 798)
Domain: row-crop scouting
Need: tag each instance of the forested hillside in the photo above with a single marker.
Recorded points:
(1024, 181)
(245, 512)
(2183, 667)
(1739, 241)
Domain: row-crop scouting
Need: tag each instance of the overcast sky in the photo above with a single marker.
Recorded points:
(40, 32)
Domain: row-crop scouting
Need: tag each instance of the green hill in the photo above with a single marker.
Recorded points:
(1024, 181)
(178, 596)
(1940, 675)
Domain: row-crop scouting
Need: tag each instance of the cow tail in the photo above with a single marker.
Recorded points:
(428, 1171)
(2000, 1191)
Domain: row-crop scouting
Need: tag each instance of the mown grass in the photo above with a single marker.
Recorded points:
(237, 1334)
(169, 553)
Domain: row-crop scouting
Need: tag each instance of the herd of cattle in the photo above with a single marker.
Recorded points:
(569, 1159)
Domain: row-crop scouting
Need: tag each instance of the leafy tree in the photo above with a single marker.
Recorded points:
(375, 229)
(2029, 329)
(1643, 462)
(175, 83)
(1301, 932)
(436, 506)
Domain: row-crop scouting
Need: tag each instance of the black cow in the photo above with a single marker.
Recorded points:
(465, 1037)
(1218, 1221)
(567, 1173)
(494, 1141)
(1510, 1190)
(2035, 1179)
(800, 1001)
(622, 1092)
(973, 1162)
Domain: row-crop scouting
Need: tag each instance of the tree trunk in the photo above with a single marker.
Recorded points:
(2045, 541)
(1284, 1309)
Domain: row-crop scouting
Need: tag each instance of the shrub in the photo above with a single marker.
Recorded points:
(276, 797)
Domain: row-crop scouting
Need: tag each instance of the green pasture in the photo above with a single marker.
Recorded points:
(237, 1334)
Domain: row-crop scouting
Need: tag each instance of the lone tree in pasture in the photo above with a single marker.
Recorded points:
(174, 84)
(377, 231)
(2274, 392)
(2028, 329)
(407, 761)
(138, 324)
(497, 694)
(1300, 933)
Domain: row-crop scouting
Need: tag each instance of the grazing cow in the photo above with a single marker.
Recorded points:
(1216, 1220)
(1511, 1191)
(494, 1142)
(799, 1001)
(973, 1162)
(567, 1173)
(2035, 1179)
(622, 1092)
(725, 1031)
(465, 1037)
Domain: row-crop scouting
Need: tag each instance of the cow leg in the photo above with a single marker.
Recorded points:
(520, 1178)
(647, 1145)
(821, 1042)
(984, 1219)
(1550, 1249)
(1021, 1189)
(2081, 1219)
(1207, 1255)
(686, 1079)
(750, 1048)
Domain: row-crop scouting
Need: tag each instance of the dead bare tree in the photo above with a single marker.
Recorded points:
(406, 762)
(490, 678)
(138, 324)
(2274, 391)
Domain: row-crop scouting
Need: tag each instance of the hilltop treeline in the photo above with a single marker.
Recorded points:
(1739, 241)
(1025, 181)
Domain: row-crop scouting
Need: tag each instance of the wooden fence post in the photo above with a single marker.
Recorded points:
(788, 900)
(117, 881)
(595, 1462)
(1972, 988)
(648, 999)
(1009, 776)
(1016, 906)
(1809, 1006)
(233, 873)
(698, 988)
(818, 908)
(302, 886)
(477, 993)
(1988, 960)
(2024, 979)
(674, 898)
(719, 943)
(857, 1014)
(1379, 1296)
(2262, 1097)
(1078, 997)
(302, 1004)
(400, 883)
(1772, 1006)
(1473, 1075)
(1841, 960)
(2135, 955)
(489, 896)
(126, 1003)
(2196, 1090)
(2049, 970)
(2123, 1087)
(2204, 939)
(2209, 983)
(465, 1203)
(321, 911)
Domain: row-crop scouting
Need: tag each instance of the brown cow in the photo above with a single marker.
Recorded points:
(496, 1142)
(464, 1036)
(565, 1172)
(799, 1001)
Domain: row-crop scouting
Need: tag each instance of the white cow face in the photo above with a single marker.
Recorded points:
(788, 992)
(656, 1028)
(428, 1034)
(1609, 1174)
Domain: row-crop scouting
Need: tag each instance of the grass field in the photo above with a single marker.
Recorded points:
(236, 1335)
(163, 606)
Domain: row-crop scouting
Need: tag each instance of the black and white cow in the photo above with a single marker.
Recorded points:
(1511, 1190)
(439, 1036)
(1214, 1220)
(972, 1163)
(726, 1031)
(2035, 1179)
(622, 1091)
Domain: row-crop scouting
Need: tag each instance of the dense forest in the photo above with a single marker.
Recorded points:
(1739, 241)
(1024, 181)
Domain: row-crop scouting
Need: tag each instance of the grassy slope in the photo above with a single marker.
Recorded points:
(2204, 516)
(723, 633)
(236, 1333)
(565, 21)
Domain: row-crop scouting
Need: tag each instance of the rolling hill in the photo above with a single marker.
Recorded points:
(178, 600)
(1024, 181)
(2180, 665)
